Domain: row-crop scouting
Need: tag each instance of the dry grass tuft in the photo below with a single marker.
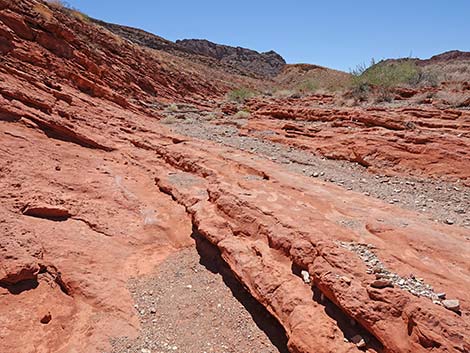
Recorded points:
(43, 11)
(242, 114)
(453, 99)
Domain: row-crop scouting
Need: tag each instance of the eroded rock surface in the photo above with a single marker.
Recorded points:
(428, 142)
(95, 191)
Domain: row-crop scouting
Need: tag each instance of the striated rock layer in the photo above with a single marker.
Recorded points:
(419, 141)
(95, 191)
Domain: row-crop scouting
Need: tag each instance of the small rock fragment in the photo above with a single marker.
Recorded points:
(441, 295)
(46, 318)
(358, 341)
(452, 304)
(449, 221)
(305, 276)
(346, 280)
(381, 283)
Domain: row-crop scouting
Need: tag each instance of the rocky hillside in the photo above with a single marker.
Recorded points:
(306, 77)
(449, 56)
(451, 66)
(143, 212)
(231, 59)
(267, 64)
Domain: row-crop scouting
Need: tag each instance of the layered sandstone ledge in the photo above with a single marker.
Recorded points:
(96, 191)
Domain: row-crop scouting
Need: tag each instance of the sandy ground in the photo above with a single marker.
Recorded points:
(193, 304)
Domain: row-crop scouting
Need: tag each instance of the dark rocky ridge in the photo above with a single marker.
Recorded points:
(448, 57)
(453, 55)
(235, 60)
(267, 64)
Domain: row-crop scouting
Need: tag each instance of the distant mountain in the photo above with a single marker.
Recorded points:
(453, 66)
(267, 64)
(232, 59)
(453, 55)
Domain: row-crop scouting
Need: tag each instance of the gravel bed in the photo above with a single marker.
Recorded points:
(193, 304)
(443, 202)
(415, 286)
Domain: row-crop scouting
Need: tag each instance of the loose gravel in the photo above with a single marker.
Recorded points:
(193, 304)
(415, 286)
(443, 202)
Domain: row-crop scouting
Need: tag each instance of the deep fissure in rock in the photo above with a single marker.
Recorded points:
(348, 325)
(213, 261)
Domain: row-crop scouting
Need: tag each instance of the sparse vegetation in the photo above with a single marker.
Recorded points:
(241, 95)
(242, 114)
(43, 11)
(60, 4)
(284, 93)
(380, 78)
(386, 75)
(79, 15)
(172, 108)
(453, 99)
(308, 86)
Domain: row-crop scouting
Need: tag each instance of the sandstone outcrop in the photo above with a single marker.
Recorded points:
(420, 141)
(95, 190)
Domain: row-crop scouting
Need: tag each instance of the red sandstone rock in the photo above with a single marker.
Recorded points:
(409, 141)
(95, 191)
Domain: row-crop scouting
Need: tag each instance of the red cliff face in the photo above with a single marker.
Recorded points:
(94, 190)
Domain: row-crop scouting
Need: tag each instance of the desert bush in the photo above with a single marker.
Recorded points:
(386, 75)
(43, 11)
(284, 93)
(242, 114)
(453, 99)
(380, 78)
(427, 78)
(241, 95)
(308, 86)
(172, 108)
(60, 4)
(79, 15)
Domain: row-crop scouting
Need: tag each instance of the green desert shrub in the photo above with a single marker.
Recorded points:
(386, 74)
(379, 79)
(241, 95)
(242, 114)
(308, 86)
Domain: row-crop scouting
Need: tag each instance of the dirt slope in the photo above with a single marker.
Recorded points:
(297, 76)
(96, 191)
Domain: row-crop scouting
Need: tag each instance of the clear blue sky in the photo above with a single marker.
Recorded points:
(338, 34)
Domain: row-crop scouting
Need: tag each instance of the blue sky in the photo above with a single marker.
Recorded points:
(337, 34)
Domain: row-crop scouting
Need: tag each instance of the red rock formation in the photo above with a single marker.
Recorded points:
(95, 191)
(428, 142)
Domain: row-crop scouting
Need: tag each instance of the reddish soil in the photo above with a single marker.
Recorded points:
(96, 193)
